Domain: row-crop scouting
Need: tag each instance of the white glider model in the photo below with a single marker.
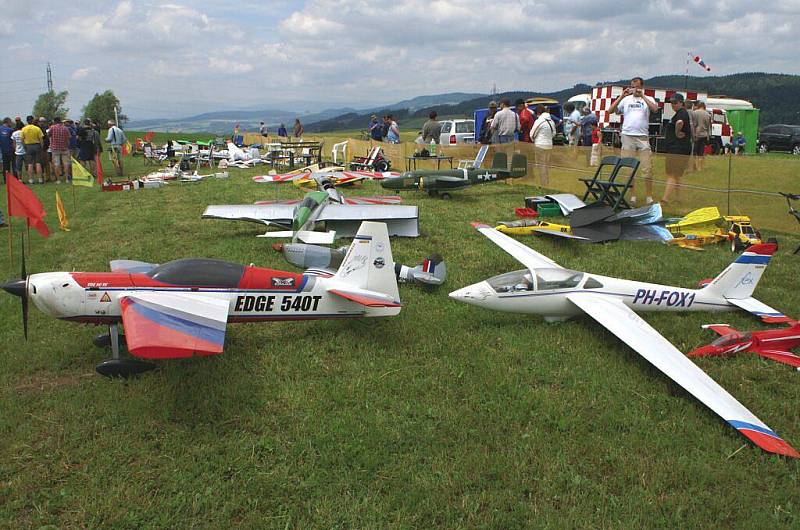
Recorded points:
(546, 288)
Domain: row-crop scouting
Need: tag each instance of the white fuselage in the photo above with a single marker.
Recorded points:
(554, 305)
(59, 295)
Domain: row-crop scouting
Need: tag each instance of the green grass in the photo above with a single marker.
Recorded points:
(446, 416)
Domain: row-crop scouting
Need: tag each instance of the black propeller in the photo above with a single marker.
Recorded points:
(19, 287)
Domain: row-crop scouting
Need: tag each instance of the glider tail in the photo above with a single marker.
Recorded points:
(739, 279)
(368, 264)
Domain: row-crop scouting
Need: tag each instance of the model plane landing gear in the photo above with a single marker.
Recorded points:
(117, 366)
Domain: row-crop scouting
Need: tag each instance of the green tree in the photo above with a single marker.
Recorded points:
(100, 108)
(51, 104)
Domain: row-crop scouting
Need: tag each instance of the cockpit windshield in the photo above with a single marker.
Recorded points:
(543, 280)
(199, 272)
(728, 340)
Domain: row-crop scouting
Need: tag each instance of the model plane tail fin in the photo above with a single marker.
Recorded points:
(519, 166)
(739, 279)
(368, 263)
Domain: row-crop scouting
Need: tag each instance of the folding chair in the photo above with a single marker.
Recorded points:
(474, 164)
(151, 158)
(339, 149)
(595, 186)
(361, 163)
(616, 189)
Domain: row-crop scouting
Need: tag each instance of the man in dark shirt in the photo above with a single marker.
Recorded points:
(7, 148)
(432, 129)
(678, 146)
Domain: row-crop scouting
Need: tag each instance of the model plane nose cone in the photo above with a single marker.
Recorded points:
(15, 287)
(472, 294)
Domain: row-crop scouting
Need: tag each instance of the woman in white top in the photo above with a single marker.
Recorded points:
(542, 133)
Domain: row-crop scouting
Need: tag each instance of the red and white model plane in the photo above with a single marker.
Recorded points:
(181, 308)
(548, 289)
(771, 344)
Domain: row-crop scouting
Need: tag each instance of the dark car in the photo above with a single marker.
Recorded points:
(780, 138)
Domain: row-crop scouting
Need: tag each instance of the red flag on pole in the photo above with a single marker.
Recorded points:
(98, 161)
(22, 202)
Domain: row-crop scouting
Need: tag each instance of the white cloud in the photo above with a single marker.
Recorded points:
(82, 73)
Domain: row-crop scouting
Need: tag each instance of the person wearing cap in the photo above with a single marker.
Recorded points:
(505, 123)
(526, 120)
(485, 135)
(738, 143)
(678, 146)
(375, 128)
(635, 108)
(115, 140)
(432, 129)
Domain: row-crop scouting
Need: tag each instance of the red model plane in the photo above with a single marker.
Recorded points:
(771, 344)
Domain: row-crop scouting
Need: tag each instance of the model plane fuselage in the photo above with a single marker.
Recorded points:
(543, 292)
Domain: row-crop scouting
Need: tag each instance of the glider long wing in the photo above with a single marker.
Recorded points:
(173, 325)
(522, 253)
(647, 342)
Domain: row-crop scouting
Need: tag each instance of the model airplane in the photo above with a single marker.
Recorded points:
(325, 260)
(298, 219)
(338, 175)
(441, 183)
(181, 308)
(771, 344)
(546, 288)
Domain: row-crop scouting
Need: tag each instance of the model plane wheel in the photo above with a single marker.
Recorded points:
(123, 368)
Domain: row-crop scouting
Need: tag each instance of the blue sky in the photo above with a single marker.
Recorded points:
(177, 58)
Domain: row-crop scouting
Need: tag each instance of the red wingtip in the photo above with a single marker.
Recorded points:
(777, 320)
(763, 249)
(476, 224)
(770, 443)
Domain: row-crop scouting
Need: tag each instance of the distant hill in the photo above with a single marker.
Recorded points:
(222, 122)
(774, 94)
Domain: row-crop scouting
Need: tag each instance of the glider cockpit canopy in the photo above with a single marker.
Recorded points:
(539, 280)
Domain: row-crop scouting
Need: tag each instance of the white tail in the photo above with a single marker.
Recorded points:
(368, 263)
(739, 279)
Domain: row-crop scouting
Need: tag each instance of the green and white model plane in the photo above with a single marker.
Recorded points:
(439, 183)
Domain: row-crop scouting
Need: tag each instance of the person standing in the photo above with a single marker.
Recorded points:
(635, 108)
(7, 148)
(264, 132)
(375, 128)
(505, 123)
(572, 124)
(59, 150)
(33, 139)
(678, 146)
(588, 121)
(701, 132)
(432, 129)
(392, 130)
(86, 149)
(486, 127)
(526, 120)
(298, 129)
(44, 154)
(19, 150)
(542, 133)
(115, 140)
(282, 133)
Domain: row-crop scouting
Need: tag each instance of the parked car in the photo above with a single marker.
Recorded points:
(457, 132)
(780, 138)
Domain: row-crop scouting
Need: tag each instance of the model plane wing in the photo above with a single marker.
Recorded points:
(367, 212)
(172, 325)
(522, 253)
(366, 298)
(784, 357)
(721, 329)
(760, 309)
(647, 342)
(257, 213)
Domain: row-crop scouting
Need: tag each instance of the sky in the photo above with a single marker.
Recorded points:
(180, 58)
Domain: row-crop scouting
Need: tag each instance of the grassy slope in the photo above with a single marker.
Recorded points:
(446, 416)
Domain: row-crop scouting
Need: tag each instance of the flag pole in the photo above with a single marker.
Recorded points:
(686, 75)
(8, 212)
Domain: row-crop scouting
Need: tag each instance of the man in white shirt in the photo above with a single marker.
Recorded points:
(542, 133)
(505, 123)
(572, 124)
(636, 107)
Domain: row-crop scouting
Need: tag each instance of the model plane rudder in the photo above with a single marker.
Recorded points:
(519, 166)
(369, 264)
(740, 278)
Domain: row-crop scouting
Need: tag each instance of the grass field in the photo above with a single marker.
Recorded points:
(443, 417)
